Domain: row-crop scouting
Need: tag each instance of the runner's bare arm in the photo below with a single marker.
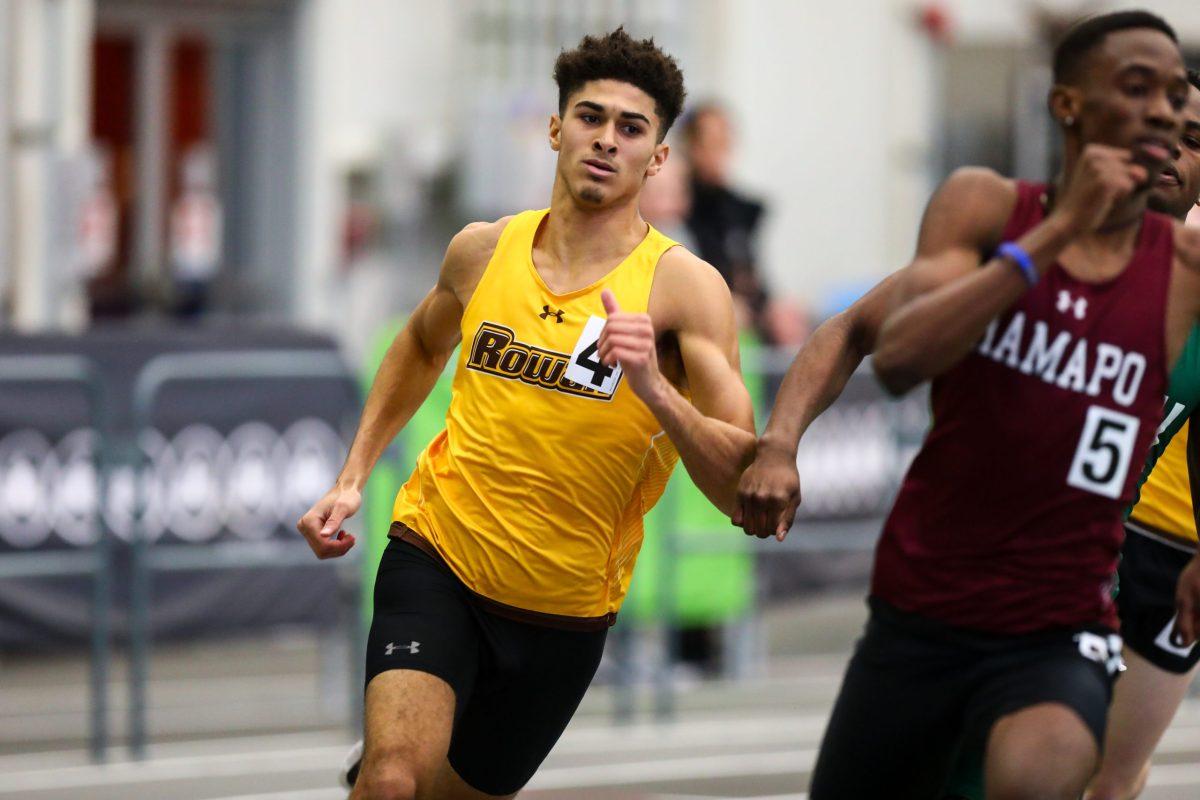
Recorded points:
(946, 300)
(769, 491)
(714, 432)
(1183, 303)
(407, 374)
(1183, 309)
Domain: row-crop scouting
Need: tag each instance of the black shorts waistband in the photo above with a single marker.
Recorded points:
(930, 628)
(559, 621)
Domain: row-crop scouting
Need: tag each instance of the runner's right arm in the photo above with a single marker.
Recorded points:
(407, 374)
(1185, 282)
(946, 299)
(769, 490)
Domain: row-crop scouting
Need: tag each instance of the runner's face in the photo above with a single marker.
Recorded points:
(1133, 94)
(607, 142)
(1178, 187)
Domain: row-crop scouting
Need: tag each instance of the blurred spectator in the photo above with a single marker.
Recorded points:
(666, 203)
(196, 231)
(724, 224)
(667, 200)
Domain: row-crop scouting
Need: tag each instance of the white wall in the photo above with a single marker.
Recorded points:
(835, 104)
(837, 109)
(833, 109)
(1006, 19)
(6, 167)
(50, 56)
(369, 68)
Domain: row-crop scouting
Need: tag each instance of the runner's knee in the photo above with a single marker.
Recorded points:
(387, 781)
(1041, 753)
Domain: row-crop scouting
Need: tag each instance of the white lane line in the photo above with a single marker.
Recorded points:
(638, 738)
(57, 759)
(295, 794)
(598, 775)
(801, 796)
(327, 759)
(1180, 739)
(315, 759)
(1175, 775)
(236, 759)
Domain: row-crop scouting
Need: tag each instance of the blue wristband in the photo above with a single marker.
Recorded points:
(1017, 255)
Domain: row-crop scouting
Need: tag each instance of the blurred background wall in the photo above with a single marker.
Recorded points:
(305, 161)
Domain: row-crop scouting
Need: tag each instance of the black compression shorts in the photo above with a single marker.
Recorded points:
(1146, 582)
(517, 684)
(917, 693)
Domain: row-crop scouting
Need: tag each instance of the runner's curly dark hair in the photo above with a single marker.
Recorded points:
(618, 56)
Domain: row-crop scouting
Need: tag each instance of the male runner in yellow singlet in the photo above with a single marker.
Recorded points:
(594, 353)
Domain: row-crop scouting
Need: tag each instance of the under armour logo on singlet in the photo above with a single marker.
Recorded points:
(412, 648)
(1078, 305)
(547, 313)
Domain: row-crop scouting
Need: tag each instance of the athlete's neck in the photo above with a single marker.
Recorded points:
(576, 240)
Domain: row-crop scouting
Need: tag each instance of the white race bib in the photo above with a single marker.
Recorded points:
(585, 367)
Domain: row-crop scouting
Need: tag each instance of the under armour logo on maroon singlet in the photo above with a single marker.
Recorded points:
(1078, 305)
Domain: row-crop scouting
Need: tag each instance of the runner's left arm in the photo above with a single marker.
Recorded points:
(714, 432)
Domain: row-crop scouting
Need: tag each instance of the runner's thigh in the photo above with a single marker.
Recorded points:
(527, 692)
(895, 725)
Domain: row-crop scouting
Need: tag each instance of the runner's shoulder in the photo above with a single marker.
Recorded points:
(471, 249)
(1187, 245)
(973, 189)
(685, 285)
(680, 268)
(972, 205)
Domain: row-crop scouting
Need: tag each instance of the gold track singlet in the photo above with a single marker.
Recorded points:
(534, 493)
(1165, 505)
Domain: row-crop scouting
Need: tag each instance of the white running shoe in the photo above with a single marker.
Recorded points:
(350, 767)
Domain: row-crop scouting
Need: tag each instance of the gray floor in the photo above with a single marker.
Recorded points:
(260, 721)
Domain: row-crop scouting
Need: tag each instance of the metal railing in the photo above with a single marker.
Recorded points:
(823, 531)
(146, 559)
(97, 562)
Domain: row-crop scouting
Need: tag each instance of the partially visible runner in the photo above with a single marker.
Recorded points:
(595, 352)
(1160, 536)
(1160, 539)
(991, 626)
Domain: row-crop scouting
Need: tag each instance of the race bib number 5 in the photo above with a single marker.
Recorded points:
(585, 367)
(1104, 451)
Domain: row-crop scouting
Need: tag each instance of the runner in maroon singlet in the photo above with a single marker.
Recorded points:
(992, 624)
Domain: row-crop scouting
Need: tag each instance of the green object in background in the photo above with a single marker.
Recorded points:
(714, 584)
(710, 587)
(399, 460)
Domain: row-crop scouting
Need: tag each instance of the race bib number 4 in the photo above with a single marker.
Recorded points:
(585, 367)
(1104, 451)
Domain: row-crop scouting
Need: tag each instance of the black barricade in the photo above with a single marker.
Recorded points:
(230, 461)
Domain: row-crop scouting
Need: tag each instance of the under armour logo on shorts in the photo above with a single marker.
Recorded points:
(412, 648)
(1104, 650)
(1169, 639)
